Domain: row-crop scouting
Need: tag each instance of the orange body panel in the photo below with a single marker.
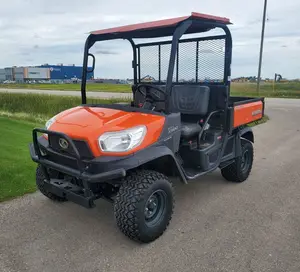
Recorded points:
(247, 113)
(89, 123)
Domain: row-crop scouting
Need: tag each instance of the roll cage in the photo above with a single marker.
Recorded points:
(176, 27)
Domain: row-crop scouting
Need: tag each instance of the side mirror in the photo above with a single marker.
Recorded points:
(94, 61)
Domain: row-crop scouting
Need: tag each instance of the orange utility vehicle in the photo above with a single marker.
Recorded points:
(181, 123)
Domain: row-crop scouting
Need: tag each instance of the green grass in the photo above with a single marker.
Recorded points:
(261, 121)
(39, 107)
(284, 89)
(280, 90)
(17, 171)
(96, 87)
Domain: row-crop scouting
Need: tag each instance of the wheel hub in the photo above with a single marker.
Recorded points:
(154, 207)
(151, 206)
(245, 160)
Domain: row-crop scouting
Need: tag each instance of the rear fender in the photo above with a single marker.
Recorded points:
(244, 133)
(247, 134)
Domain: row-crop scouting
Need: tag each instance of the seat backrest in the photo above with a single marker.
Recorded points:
(218, 96)
(190, 99)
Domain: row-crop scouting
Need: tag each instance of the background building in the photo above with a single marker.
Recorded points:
(35, 73)
(9, 73)
(19, 74)
(62, 72)
(44, 72)
(2, 75)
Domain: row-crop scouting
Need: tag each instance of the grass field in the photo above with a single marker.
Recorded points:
(284, 90)
(38, 108)
(118, 88)
(17, 170)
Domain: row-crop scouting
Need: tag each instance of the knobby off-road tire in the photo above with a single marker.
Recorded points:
(40, 185)
(239, 171)
(136, 213)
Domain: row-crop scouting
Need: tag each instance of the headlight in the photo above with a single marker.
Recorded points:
(121, 141)
(50, 122)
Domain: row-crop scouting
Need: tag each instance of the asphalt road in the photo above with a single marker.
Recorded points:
(217, 225)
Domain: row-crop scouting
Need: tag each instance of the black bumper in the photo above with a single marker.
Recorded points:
(72, 165)
(69, 191)
(81, 169)
(92, 178)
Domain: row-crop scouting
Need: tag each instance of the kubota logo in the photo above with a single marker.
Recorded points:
(63, 143)
(257, 112)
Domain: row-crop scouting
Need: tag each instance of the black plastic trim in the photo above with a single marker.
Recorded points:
(239, 134)
(237, 100)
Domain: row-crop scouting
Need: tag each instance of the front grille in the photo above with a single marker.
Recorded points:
(81, 146)
(66, 161)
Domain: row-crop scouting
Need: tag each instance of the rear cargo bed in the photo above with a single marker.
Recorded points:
(246, 109)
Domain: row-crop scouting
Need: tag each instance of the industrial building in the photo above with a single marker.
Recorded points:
(62, 72)
(46, 72)
(6, 74)
(2, 75)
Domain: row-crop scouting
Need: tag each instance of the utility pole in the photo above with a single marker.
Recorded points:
(261, 46)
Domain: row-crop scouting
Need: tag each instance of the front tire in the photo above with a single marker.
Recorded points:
(144, 205)
(40, 177)
(239, 171)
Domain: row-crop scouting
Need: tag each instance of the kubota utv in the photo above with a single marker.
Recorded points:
(180, 123)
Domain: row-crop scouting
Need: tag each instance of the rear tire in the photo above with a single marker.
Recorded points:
(144, 205)
(239, 171)
(40, 177)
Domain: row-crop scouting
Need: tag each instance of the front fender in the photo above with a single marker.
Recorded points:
(141, 158)
(152, 155)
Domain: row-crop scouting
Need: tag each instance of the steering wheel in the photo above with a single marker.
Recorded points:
(151, 97)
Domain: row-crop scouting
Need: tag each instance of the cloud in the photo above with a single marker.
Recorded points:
(58, 30)
(106, 52)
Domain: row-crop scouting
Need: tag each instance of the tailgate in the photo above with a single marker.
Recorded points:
(247, 111)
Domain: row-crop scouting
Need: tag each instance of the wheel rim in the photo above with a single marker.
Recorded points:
(155, 207)
(245, 160)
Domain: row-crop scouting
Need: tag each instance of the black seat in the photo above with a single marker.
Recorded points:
(192, 102)
(190, 130)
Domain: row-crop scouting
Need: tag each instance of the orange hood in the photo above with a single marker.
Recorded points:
(88, 123)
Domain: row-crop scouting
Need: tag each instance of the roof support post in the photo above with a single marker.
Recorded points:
(134, 61)
(89, 42)
(179, 31)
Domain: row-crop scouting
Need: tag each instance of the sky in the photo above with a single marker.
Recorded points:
(35, 32)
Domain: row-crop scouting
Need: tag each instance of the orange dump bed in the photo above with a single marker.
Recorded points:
(247, 111)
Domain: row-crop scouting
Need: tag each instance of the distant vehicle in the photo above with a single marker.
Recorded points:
(9, 82)
(75, 80)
